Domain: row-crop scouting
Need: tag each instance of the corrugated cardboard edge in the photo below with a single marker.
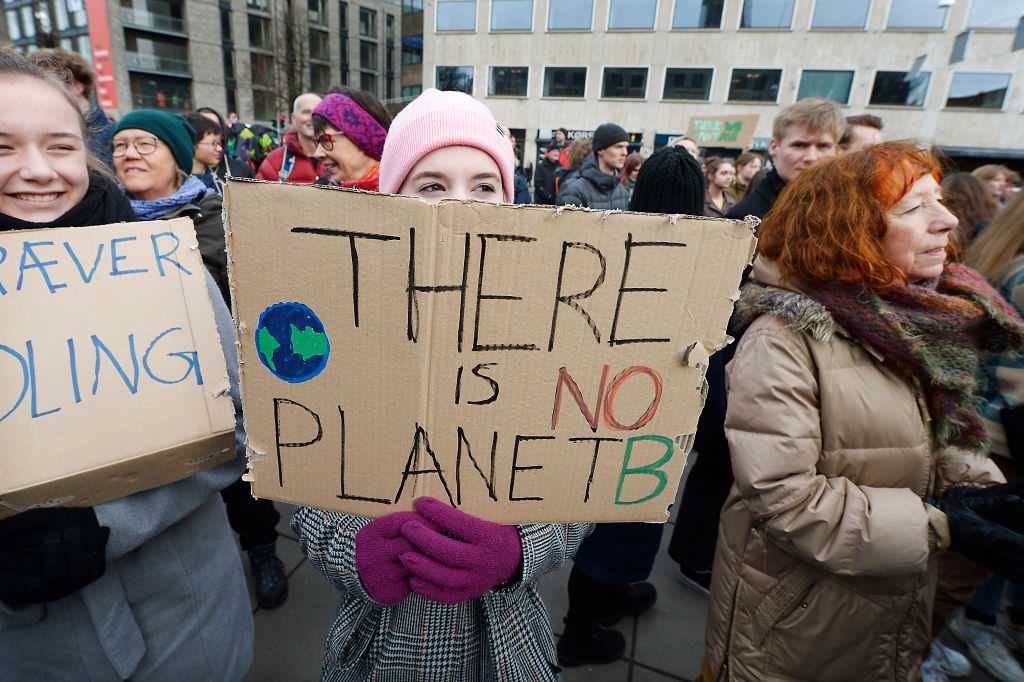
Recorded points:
(144, 472)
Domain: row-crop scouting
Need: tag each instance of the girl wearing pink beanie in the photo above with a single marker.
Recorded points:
(436, 594)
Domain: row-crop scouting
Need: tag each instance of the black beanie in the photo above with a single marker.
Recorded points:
(608, 134)
(671, 181)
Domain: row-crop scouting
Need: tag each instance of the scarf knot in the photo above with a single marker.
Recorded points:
(190, 190)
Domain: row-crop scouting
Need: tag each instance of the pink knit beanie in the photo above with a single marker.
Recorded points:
(438, 119)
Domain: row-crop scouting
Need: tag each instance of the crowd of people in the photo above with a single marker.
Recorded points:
(856, 485)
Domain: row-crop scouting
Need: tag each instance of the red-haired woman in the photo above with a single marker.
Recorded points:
(854, 436)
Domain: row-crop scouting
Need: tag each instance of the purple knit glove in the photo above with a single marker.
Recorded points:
(447, 570)
(378, 547)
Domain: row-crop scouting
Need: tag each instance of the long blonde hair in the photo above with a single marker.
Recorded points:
(1000, 242)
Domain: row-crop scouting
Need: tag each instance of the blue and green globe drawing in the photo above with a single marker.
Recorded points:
(291, 342)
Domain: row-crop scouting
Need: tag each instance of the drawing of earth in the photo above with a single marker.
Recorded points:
(291, 342)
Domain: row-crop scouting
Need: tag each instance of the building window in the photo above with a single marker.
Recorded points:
(368, 82)
(13, 25)
(511, 15)
(264, 105)
(344, 53)
(319, 45)
(458, 78)
(319, 77)
(367, 54)
(232, 97)
(229, 66)
(262, 70)
(840, 13)
(767, 14)
(833, 85)
(978, 90)
(389, 28)
(624, 82)
(917, 14)
(410, 6)
(508, 81)
(158, 92)
(367, 23)
(565, 81)
(892, 88)
(156, 54)
(755, 85)
(258, 4)
(995, 13)
(456, 15)
(343, 17)
(687, 84)
(697, 14)
(317, 11)
(225, 25)
(632, 14)
(260, 32)
(412, 49)
(570, 15)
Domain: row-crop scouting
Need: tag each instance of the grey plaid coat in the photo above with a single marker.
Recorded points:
(503, 635)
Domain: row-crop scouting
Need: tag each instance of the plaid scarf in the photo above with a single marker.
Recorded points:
(936, 332)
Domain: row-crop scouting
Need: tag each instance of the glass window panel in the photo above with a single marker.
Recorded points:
(225, 25)
(343, 16)
(319, 45)
(62, 15)
(319, 77)
(259, 31)
(263, 104)
(767, 14)
(624, 82)
(262, 69)
(229, 65)
(368, 82)
(959, 47)
(892, 88)
(27, 23)
(917, 14)
(13, 26)
(456, 15)
(455, 78)
(833, 85)
(511, 15)
(632, 14)
(840, 13)
(570, 14)
(410, 91)
(157, 92)
(367, 22)
(755, 85)
(978, 90)
(687, 84)
(317, 11)
(565, 81)
(697, 14)
(995, 13)
(410, 6)
(367, 54)
(508, 81)
(390, 30)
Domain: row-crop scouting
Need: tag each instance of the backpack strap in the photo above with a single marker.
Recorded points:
(287, 164)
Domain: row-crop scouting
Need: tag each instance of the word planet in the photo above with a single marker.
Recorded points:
(291, 342)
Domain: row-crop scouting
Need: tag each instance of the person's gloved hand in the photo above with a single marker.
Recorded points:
(47, 554)
(987, 528)
(378, 546)
(450, 570)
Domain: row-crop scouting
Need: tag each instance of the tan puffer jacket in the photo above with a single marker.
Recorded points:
(825, 563)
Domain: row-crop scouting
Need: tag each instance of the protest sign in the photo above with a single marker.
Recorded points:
(522, 363)
(723, 131)
(112, 377)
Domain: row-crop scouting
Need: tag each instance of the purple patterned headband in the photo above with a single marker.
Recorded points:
(351, 119)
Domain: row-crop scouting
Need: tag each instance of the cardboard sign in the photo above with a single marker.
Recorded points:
(112, 377)
(723, 131)
(522, 363)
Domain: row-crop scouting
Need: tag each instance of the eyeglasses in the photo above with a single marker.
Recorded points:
(213, 145)
(143, 145)
(327, 141)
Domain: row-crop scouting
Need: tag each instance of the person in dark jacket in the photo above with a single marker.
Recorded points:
(544, 178)
(598, 185)
(153, 153)
(802, 133)
(610, 568)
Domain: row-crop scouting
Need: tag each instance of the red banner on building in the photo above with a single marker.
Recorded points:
(102, 61)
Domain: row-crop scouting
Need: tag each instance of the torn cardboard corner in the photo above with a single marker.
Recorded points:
(111, 368)
(520, 363)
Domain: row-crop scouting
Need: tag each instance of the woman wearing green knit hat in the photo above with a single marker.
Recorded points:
(153, 156)
(153, 153)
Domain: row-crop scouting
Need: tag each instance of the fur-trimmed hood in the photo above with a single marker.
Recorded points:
(803, 313)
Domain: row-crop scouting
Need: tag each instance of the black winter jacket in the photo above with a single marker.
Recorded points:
(760, 201)
(544, 182)
(595, 189)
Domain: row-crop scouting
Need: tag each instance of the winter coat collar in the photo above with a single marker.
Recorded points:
(765, 294)
(601, 180)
